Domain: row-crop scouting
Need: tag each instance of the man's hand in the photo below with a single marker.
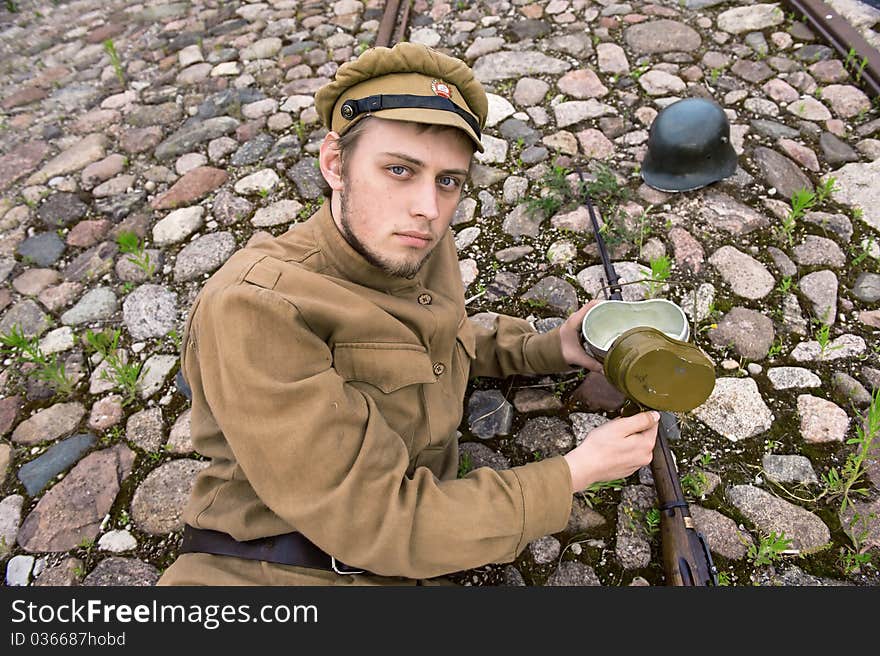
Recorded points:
(613, 450)
(572, 348)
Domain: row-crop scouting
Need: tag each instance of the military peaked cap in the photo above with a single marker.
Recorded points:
(409, 82)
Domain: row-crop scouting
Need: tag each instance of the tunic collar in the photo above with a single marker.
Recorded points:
(350, 264)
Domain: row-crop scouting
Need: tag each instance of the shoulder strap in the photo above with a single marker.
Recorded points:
(263, 274)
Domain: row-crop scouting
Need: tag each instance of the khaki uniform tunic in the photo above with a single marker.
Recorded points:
(327, 395)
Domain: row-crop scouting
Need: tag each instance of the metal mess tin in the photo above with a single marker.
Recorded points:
(645, 354)
(605, 322)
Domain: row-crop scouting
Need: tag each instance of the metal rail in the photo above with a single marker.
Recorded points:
(392, 27)
(862, 57)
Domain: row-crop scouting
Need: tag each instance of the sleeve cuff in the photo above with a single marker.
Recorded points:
(547, 498)
(544, 353)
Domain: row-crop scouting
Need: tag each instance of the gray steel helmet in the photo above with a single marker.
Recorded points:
(688, 146)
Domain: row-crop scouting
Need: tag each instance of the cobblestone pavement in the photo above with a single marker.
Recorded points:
(143, 143)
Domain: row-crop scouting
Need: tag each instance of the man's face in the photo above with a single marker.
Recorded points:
(400, 187)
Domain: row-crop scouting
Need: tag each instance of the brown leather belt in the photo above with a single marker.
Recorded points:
(286, 549)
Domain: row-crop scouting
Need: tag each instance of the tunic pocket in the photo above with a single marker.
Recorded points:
(392, 375)
(389, 367)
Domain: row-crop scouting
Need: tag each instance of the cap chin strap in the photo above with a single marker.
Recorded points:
(352, 108)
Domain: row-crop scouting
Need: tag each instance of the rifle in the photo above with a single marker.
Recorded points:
(686, 557)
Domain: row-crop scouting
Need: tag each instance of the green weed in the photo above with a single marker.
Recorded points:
(154, 456)
(660, 269)
(771, 446)
(769, 549)
(26, 350)
(825, 189)
(694, 483)
(301, 131)
(861, 69)
(775, 348)
(110, 49)
(465, 465)
(652, 521)
(644, 228)
(801, 201)
(111, 436)
(852, 561)
(175, 338)
(557, 192)
(854, 64)
(136, 250)
(505, 88)
(606, 189)
(124, 375)
(606, 192)
(860, 255)
(590, 494)
(638, 71)
(822, 334)
(849, 480)
(784, 285)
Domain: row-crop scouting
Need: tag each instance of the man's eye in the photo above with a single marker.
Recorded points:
(396, 169)
(448, 181)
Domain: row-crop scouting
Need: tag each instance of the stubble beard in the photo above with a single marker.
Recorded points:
(400, 269)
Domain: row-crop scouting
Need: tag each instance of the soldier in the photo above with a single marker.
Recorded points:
(328, 366)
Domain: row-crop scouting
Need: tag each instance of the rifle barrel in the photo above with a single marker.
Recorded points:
(610, 274)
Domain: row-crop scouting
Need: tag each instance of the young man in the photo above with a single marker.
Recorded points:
(329, 365)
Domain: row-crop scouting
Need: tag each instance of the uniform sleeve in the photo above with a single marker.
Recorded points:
(321, 456)
(512, 346)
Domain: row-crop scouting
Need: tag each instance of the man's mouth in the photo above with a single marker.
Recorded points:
(414, 238)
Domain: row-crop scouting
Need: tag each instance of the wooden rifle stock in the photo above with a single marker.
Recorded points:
(686, 557)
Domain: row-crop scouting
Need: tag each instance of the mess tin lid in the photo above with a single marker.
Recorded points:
(659, 372)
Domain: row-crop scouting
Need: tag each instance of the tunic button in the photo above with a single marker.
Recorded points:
(439, 368)
(425, 299)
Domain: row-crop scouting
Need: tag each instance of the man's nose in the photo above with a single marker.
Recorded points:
(425, 202)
